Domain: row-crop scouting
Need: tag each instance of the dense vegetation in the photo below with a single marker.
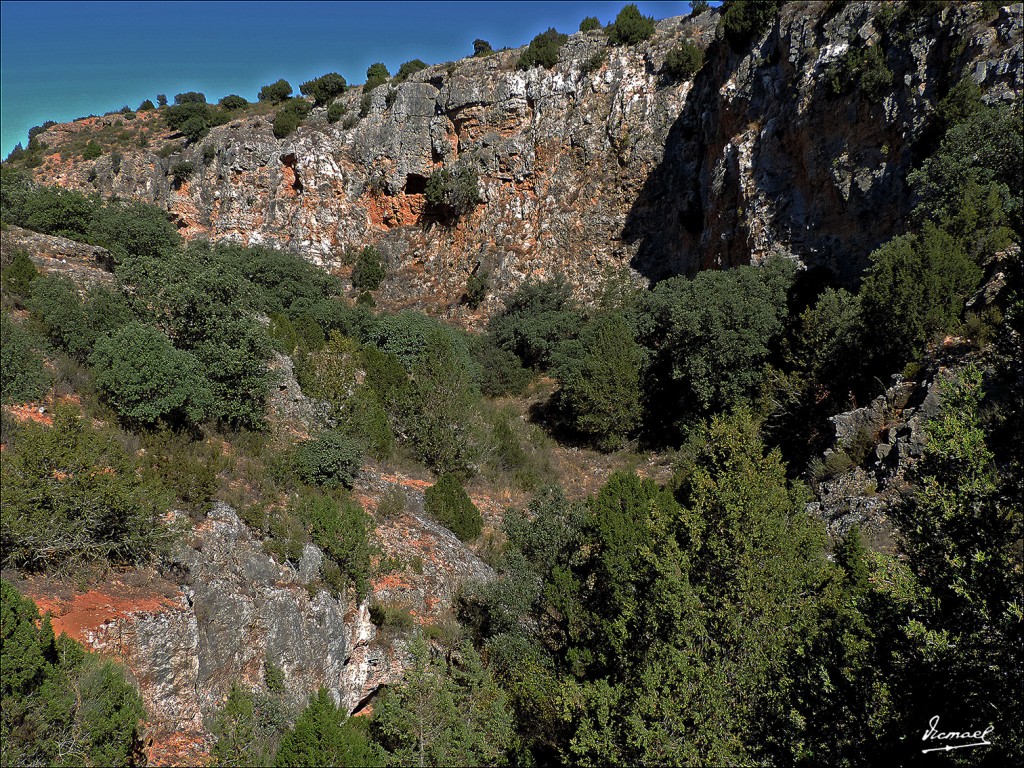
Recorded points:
(62, 705)
(704, 620)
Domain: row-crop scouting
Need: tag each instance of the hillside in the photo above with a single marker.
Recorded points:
(647, 395)
(600, 162)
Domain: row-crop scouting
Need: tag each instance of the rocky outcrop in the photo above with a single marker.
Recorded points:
(599, 164)
(85, 264)
(220, 607)
(880, 442)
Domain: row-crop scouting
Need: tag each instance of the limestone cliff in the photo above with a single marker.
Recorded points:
(599, 163)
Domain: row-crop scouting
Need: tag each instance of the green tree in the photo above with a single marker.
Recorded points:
(376, 74)
(233, 101)
(439, 415)
(408, 69)
(193, 119)
(446, 501)
(535, 320)
(481, 48)
(135, 229)
(324, 88)
(276, 92)
(454, 192)
(324, 736)
(146, 380)
(630, 27)
(56, 304)
(444, 713)
(600, 377)
(289, 117)
(370, 269)
(61, 704)
(915, 288)
(746, 20)
(21, 370)
(248, 728)
(204, 306)
(542, 50)
(328, 460)
(589, 24)
(712, 335)
(146, 106)
(683, 61)
(190, 97)
(18, 274)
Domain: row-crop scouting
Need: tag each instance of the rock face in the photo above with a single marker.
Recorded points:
(885, 438)
(235, 609)
(85, 264)
(601, 163)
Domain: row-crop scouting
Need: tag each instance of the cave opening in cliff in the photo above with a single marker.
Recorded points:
(415, 184)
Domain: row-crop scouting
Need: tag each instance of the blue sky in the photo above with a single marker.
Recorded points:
(62, 60)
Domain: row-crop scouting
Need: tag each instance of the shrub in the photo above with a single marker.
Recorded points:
(477, 286)
(289, 117)
(190, 97)
(209, 152)
(600, 381)
(275, 92)
(594, 63)
(17, 274)
(233, 101)
(146, 106)
(56, 304)
(370, 269)
(72, 493)
(543, 50)
(161, 100)
(589, 24)
(135, 229)
(862, 69)
(329, 460)
(683, 61)
(447, 502)
(342, 531)
(536, 318)
(408, 69)
(453, 192)
(146, 380)
(481, 48)
(746, 20)
(182, 170)
(630, 27)
(697, 7)
(92, 151)
(60, 699)
(324, 88)
(336, 111)
(21, 370)
(501, 372)
(365, 103)
(376, 74)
